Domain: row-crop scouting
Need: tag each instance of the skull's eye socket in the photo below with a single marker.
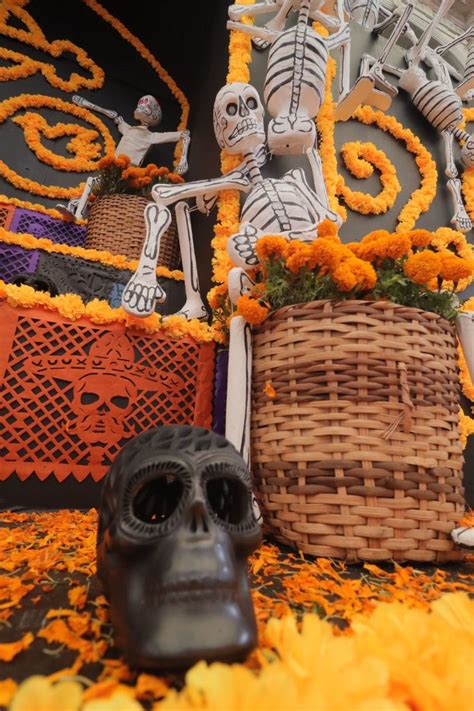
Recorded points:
(157, 499)
(232, 109)
(228, 499)
(252, 102)
(88, 398)
(120, 401)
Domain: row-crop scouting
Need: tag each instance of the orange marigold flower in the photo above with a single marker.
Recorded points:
(329, 230)
(251, 310)
(326, 253)
(216, 295)
(364, 273)
(422, 267)
(122, 161)
(454, 268)
(269, 390)
(271, 247)
(374, 236)
(175, 178)
(106, 161)
(420, 238)
(344, 278)
(299, 255)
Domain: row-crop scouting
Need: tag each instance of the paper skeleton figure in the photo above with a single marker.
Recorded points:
(135, 143)
(288, 206)
(435, 99)
(297, 66)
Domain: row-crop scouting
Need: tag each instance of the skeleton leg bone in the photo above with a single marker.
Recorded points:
(169, 194)
(372, 79)
(238, 406)
(142, 291)
(193, 307)
(450, 170)
(460, 219)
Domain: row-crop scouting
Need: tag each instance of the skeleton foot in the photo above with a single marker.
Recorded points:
(193, 309)
(141, 294)
(241, 247)
(463, 537)
(462, 221)
(239, 284)
(358, 95)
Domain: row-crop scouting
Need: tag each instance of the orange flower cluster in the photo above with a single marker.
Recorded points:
(380, 245)
(145, 53)
(251, 310)
(92, 255)
(30, 33)
(360, 159)
(83, 144)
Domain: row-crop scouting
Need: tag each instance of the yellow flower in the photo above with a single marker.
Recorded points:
(37, 693)
(454, 268)
(326, 253)
(364, 273)
(420, 238)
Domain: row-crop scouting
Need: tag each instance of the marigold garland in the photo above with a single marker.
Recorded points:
(23, 66)
(360, 159)
(145, 53)
(326, 124)
(83, 141)
(422, 198)
(27, 241)
(72, 307)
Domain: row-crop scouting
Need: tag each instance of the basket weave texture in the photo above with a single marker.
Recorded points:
(358, 455)
(117, 224)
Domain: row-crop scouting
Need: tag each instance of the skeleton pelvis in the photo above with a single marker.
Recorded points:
(291, 135)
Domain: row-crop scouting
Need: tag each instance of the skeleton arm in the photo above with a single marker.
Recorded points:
(469, 34)
(260, 8)
(122, 125)
(165, 137)
(255, 32)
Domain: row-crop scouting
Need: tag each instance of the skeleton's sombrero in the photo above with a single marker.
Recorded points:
(110, 354)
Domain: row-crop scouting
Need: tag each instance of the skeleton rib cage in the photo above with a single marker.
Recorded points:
(438, 104)
(297, 60)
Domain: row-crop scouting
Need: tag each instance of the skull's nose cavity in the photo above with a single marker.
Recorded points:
(198, 521)
(158, 499)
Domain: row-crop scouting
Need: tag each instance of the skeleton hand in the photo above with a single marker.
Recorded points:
(118, 119)
(141, 293)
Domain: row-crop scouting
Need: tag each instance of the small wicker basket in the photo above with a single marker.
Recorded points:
(117, 224)
(358, 455)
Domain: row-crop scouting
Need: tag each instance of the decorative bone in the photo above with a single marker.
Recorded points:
(365, 12)
(467, 85)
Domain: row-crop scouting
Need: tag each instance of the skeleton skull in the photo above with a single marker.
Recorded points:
(175, 529)
(238, 118)
(148, 111)
(101, 402)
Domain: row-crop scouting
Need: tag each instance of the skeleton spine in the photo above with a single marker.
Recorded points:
(438, 104)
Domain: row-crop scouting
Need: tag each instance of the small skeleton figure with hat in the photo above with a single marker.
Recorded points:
(135, 143)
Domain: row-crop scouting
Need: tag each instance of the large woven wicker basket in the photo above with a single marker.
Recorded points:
(358, 455)
(117, 224)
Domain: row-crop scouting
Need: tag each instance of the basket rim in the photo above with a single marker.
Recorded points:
(319, 303)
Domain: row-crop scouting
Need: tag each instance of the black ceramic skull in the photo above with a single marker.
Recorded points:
(176, 526)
